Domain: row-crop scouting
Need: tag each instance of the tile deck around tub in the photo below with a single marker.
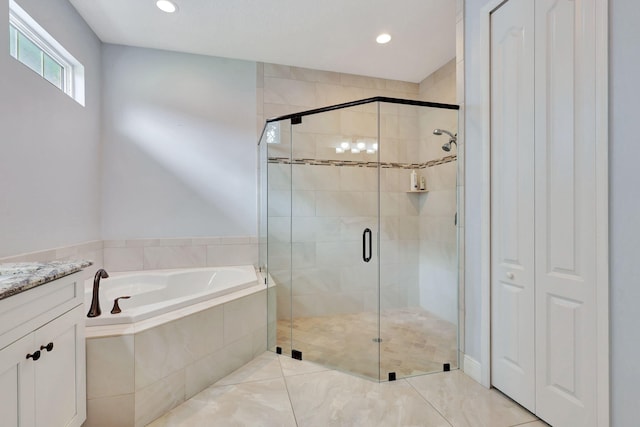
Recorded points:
(275, 390)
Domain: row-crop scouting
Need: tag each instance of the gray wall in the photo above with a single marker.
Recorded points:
(50, 151)
(624, 193)
(179, 145)
(624, 210)
(473, 173)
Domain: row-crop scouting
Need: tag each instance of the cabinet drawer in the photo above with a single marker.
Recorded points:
(22, 313)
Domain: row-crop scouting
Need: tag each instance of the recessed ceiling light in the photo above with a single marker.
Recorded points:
(383, 38)
(166, 6)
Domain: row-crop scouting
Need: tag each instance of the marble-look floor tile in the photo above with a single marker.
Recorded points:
(264, 367)
(465, 403)
(296, 367)
(259, 403)
(533, 424)
(332, 398)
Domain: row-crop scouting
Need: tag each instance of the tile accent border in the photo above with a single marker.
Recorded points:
(365, 164)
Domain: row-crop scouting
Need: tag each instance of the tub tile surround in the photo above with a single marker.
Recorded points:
(154, 254)
(151, 254)
(159, 367)
(274, 390)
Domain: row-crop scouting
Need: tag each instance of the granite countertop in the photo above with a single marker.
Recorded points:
(21, 276)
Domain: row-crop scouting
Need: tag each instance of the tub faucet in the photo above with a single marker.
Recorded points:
(95, 311)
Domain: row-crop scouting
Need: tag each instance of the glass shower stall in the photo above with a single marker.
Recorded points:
(358, 236)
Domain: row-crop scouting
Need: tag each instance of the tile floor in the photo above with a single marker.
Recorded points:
(276, 390)
(414, 342)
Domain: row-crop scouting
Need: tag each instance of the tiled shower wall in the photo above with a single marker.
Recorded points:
(438, 288)
(326, 207)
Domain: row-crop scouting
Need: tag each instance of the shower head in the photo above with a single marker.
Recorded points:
(453, 139)
(442, 131)
(447, 147)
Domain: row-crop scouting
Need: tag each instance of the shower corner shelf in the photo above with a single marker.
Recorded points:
(417, 191)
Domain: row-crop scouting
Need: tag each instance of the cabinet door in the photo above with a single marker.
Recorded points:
(60, 388)
(16, 384)
(512, 189)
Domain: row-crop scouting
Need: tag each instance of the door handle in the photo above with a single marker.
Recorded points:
(510, 275)
(365, 257)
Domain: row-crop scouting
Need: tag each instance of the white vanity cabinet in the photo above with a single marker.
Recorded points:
(42, 356)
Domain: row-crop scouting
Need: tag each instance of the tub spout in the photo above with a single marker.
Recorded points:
(95, 311)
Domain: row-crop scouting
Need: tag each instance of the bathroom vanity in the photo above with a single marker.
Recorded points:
(42, 348)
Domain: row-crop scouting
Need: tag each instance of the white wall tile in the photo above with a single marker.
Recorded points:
(222, 255)
(158, 353)
(358, 179)
(279, 203)
(304, 203)
(332, 94)
(174, 257)
(243, 316)
(315, 177)
(123, 259)
(112, 411)
(303, 255)
(202, 333)
(110, 366)
(315, 280)
(159, 398)
(276, 70)
(206, 371)
(289, 92)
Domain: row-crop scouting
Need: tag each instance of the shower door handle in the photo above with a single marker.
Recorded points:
(365, 257)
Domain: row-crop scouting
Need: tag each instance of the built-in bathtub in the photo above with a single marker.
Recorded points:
(180, 332)
(155, 292)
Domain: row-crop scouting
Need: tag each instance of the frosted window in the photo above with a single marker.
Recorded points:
(53, 71)
(32, 45)
(29, 54)
(13, 41)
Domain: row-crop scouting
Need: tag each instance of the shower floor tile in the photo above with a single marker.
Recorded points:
(414, 342)
(276, 390)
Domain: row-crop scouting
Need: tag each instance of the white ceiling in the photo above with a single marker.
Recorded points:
(333, 35)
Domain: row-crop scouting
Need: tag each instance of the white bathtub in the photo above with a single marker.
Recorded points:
(206, 322)
(155, 292)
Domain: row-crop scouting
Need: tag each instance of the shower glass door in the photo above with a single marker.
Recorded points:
(275, 156)
(362, 260)
(334, 232)
(418, 241)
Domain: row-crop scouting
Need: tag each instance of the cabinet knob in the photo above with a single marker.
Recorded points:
(34, 356)
(47, 347)
(510, 275)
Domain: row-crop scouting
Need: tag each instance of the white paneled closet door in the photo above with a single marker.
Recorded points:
(565, 210)
(544, 204)
(512, 203)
